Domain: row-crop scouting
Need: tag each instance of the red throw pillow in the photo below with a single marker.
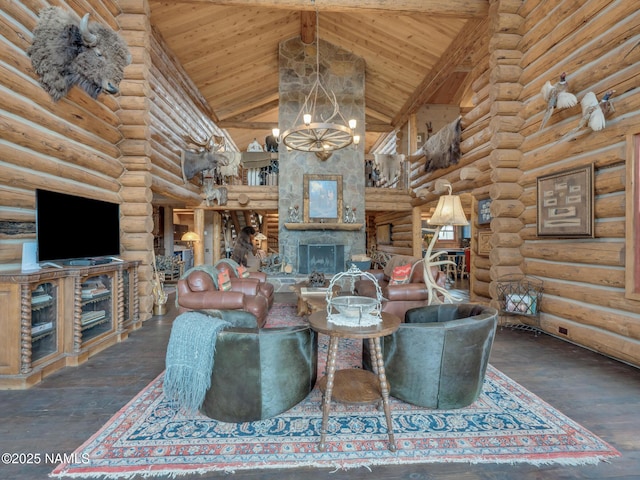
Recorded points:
(242, 271)
(401, 275)
(224, 282)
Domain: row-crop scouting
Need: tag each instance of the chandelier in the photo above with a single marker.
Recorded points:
(311, 131)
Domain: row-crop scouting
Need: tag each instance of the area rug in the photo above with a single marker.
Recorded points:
(507, 424)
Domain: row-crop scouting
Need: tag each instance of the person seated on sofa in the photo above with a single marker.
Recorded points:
(402, 284)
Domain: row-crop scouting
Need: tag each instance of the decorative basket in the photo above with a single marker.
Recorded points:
(354, 310)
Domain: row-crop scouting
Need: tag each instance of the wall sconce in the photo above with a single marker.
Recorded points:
(448, 212)
(190, 237)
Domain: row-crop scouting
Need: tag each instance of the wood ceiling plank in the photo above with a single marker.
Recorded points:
(218, 41)
(366, 41)
(218, 65)
(231, 107)
(254, 75)
(178, 19)
(266, 113)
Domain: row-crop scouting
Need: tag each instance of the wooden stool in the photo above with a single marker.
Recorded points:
(451, 268)
(462, 267)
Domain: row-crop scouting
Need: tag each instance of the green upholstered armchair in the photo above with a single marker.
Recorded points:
(439, 355)
(260, 372)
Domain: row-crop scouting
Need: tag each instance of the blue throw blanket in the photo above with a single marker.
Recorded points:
(189, 359)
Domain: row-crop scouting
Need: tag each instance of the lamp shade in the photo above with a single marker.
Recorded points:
(190, 237)
(448, 212)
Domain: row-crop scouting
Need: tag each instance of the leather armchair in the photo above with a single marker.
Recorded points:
(400, 298)
(198, 290)
(439, 356)
(265, 288)
(260, 373)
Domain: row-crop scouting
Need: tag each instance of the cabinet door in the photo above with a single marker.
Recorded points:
(97, 316)
(10, 326)
(45, 331)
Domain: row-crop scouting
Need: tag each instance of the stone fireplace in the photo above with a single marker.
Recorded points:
(343, 73)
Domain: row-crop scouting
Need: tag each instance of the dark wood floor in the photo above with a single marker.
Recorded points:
(603, 395)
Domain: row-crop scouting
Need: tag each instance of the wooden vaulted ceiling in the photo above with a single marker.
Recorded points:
(416, 52)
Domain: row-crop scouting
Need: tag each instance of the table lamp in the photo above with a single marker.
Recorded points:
(190, 237)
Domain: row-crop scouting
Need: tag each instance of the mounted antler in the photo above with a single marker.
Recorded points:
(211, 144)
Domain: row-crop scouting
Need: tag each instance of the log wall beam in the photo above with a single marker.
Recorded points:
(505, 126)
(136, 181)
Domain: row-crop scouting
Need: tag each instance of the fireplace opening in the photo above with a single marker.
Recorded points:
(321, 258)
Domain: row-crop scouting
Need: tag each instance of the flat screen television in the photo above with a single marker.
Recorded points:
(71, 227)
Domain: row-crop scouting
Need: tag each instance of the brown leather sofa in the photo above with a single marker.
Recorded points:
(265, 288)
(197, 289)
(397, 299)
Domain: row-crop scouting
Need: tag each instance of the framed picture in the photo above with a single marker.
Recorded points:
(484, 211)
(322, 198)
(565, 203)
(484, 243)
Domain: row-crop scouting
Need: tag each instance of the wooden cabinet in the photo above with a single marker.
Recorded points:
(61, 316)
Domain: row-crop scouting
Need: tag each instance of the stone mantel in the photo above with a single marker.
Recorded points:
(324, 226)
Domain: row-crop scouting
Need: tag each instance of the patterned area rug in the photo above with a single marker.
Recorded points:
(507, 424)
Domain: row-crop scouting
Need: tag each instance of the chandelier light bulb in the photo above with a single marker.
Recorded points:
(306, 118)
(352, 123)
(356, 139)
(275, 132)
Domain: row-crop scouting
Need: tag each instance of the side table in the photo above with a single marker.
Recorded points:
(354, 385)
(307, 303)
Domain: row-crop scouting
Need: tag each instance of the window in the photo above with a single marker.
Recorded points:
(447, 233)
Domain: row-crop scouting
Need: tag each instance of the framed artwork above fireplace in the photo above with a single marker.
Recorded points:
(322, 198)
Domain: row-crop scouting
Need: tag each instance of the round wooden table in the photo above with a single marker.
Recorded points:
(354, 385)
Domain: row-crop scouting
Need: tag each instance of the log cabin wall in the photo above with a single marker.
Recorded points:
(596, 43)
(69, 146)
(393, 207)
(123, 148)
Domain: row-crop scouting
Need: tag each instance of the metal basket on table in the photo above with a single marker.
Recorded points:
(353, 310)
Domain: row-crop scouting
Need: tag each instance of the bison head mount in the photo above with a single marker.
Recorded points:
(68, 51)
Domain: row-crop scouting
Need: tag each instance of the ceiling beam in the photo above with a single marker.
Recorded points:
(378, 127)
(246, 115)
(248, 125)
(307, 27)
(456, 54)
(454, 8)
